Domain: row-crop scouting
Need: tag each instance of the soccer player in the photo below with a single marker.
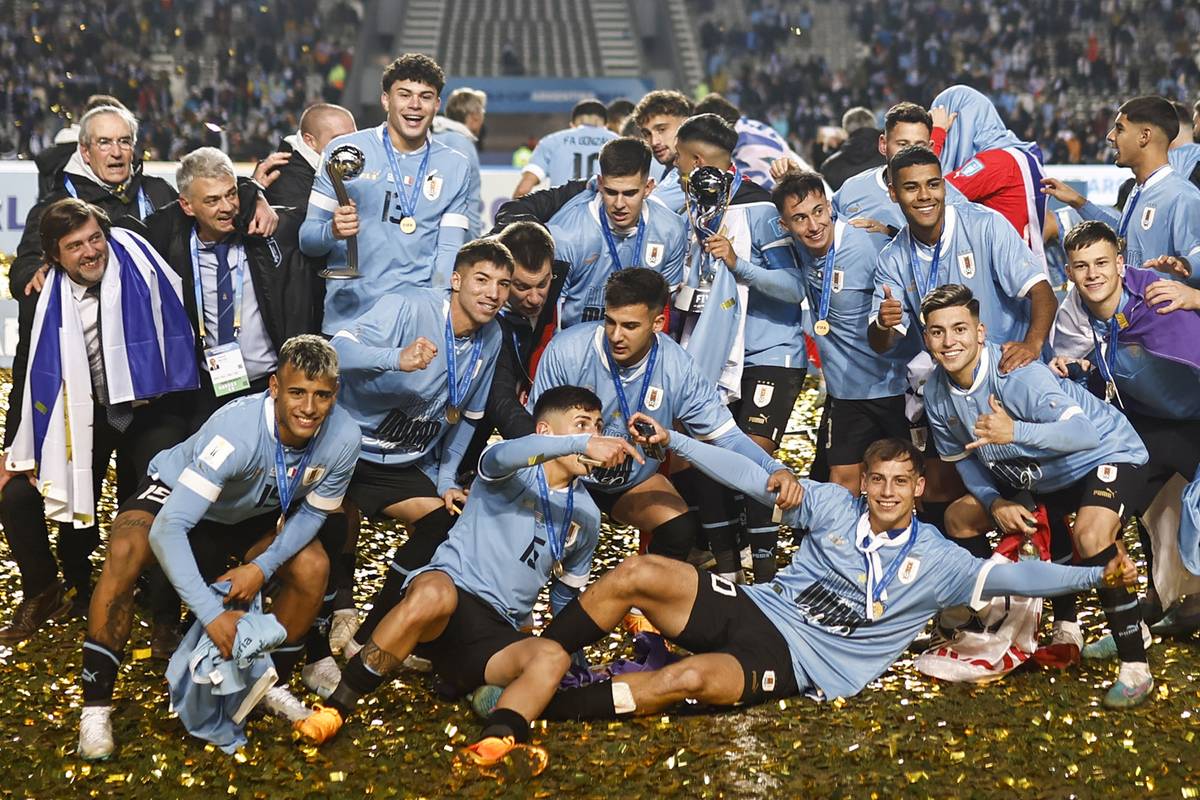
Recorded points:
(758, 144)
(219, 496)
(460, 129)
(528, 522)
(1160, 223)
(614, 226)
(408, 208)
(418, 370)
(1029, 430)
(863, 200)
(862, 585)
(658, 116)
(837, 260)
(633, 366)
(569, 154)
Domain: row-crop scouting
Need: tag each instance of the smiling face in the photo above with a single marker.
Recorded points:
(571, 422)
(901, 136)
(214, 203)
(480, 290)
(921, 194)
(630, 330)
(623, 197)
(410, 107)
(109, 149)
(809, 220)
(1127, 140)
(301, 403)
(659, 133)
(83, 253)
(1096, 271)
(954, 337)
(892, 488)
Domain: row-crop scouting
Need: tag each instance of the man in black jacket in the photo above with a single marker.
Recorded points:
(858, 153)
(290, 184)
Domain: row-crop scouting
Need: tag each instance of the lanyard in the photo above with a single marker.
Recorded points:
(612, 244)
(881, 585)
(827, 275)
(458, 389)
(928, 284)
(558, 543)
(1108, 354)
(143, 203)
(616, 377)
(1127, 215)
(239, 284)
(408, 204)
(287, 489)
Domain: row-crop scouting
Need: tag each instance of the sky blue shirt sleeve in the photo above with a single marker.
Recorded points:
(1039, 579)
(370, 345)
(786, 284)
(672, 269)
(316, 232)
(452, 233)
(1017, 269)
(1090, 210)
(1044, 416)
(543, 155)
(502, 459)
(1185, 235)
(453, 448)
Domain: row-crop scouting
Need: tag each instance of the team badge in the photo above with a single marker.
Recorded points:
(572, 534)
(768, 680)
(218, 449)
(908, 570)
(763, 393)
(433, 187)
(919, 437)
(1147, 217)
(654, 254)
(1106, 473)
(654, 396)
(839, 277)
(313, 474)
(966, 265)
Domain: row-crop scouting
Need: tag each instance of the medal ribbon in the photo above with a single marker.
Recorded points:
(1108, 354)
(877, 588)
(408, 205)
(455, 388)
(827, 275)
(612, 244)
(616, 378)
(239, 287)
(287, 488)
(931, 278)
(144, 206)
(557, 539)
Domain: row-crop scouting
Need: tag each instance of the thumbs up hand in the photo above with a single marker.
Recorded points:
(890, 312)
(993, 428)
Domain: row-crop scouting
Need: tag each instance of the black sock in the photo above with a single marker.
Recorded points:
(341, 579)
(506, 722)
(594, 701)
(764, 538)
(573, 628)
(285, 658)
(675, 537)
(317, 641)
(424, 537)
(722, 539)
(1122, 610)
(357, 679)
(1063, 607)
(934, 513)
(99, 674)
(385, 600)
(977, 545)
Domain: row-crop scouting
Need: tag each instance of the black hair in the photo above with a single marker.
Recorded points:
(796, 183)
(714, 103)
(1152, 109)
(636, 286)
(914, 155)
(619, 109)
(529, 242)
(1089, 232)
(474, 252)
(905, 111)
(565, 398)
(625, 156)
(414, 67)
(708, 128)
(589, 107)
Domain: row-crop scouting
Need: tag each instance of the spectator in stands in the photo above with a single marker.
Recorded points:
(291, 182)
(858, 153)
(460, 129)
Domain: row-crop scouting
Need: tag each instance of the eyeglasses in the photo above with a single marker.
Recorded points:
(105, 144)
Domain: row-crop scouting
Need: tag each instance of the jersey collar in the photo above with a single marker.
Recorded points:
(597, 208)
(947, 237)
(1158, 175)
(598, 345)
(981, 372)
(879, 179)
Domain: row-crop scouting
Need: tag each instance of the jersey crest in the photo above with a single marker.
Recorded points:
(313, 474)
(654, 254)
(908, 570)
(839, 277)
(966, 265)
(433, 187)
(1147, 217)
(1106, 473)
(763, 392)
(654, 398)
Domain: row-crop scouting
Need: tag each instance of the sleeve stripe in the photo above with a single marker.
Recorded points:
(324, 503)
(199, 484)
(977, 602)
(345, 335)
(776, 243)
(900, 329)
(1032, 282)
(535, 170)
(1070, 412)
(454, 221)
(953, 458)
(721, 431)
(321, 201)
(574, 581)
(473, 414)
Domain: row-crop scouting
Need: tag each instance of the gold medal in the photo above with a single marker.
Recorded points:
(878, 609)
(556, 569)
(407, 224)
(1110, 391)
(453, 414)
(821, 327)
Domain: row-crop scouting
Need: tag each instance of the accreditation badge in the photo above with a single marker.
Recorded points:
(226, 368)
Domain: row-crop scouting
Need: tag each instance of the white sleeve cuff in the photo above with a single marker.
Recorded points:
(574, 581)
(326, 504)
(321, 201)
(455, 221)
(953, 458)
(721, 431)
(535, 170)
(1029, 284)
(1070, 412)
(199, 484)
(473, 414)
(977, 602)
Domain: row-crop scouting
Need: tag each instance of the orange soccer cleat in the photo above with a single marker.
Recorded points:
(320, 726)
(491, 751)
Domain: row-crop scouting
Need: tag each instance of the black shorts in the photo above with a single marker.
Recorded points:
(1120, 488)
(725, 620)
(474, 633)
(768, 397)
(374, 487)
(215, 545)
(848, 427)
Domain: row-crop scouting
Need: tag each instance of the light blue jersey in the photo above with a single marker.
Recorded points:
(818, 603)
(865, 196)
(571, 154)
(670, 191)
(1161, 218)
(1184, 160)
(675, 391)
(403, 414)
(456, 136)
(225, 473)
(978, 249)
(579, 240)
(389, 258)
(1147, 383)
(1061, 431)
(500, 549)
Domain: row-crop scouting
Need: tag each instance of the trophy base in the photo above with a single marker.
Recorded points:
(692, 299)
(342, 274)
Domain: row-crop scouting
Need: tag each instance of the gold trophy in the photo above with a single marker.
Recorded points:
(345, 163)
(707, 189)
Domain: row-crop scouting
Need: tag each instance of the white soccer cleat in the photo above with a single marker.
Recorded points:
(342, 629)
(1067, 632)
(95, 733)
(321, 676)
(282, 703)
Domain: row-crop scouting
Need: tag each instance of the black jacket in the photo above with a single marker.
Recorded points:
(50, 162)
(858, 153)
(294, 183)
